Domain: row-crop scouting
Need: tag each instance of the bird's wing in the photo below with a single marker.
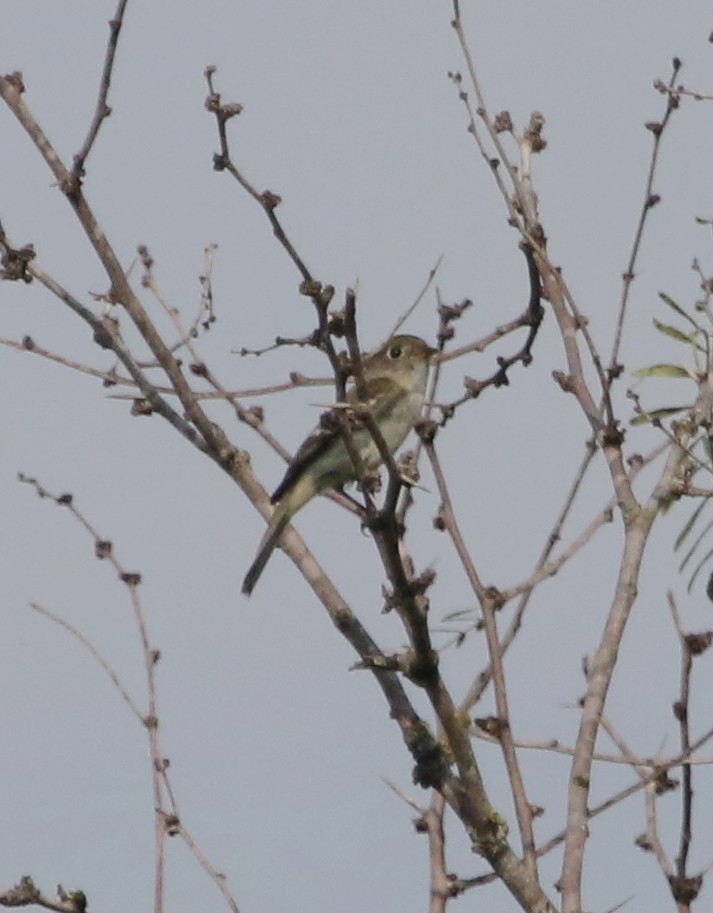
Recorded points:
(329, 429)
(313, 445)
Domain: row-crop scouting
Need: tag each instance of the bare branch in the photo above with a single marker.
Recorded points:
(418, 299)
(102, 110)
(96, 653)
(26, 894)
(167, 820)
(650, 201)
(681, 712)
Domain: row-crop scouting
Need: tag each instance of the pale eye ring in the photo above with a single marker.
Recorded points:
(395, 352)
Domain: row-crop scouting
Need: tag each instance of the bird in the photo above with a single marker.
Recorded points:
(395, 379)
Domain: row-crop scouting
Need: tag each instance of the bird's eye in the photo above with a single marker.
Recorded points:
(395, 352)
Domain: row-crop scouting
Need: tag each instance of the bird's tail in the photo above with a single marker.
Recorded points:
(279, 521)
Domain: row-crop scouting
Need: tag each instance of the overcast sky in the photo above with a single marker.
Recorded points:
(278, 751)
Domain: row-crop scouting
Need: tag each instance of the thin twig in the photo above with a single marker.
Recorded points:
(651, 839)
(218, 878)
(627, 755)
(650, 200)
(530, 318)
(489, 604)
(103, 550)
(96, 653)
(482, 681)
(430, 822)
(267, 200)
(214, 441)
(681, 712)
(629, 760)
(102, 110)
(418, 299)
(106, 333)
(482, 113)
(112, 379)
(611, 802)
(28, 344)
(167, 820)
(679, 91)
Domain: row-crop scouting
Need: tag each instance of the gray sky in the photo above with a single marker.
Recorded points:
(277, 750)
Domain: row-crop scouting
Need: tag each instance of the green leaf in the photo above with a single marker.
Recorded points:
(692, 550)
(678, 309)
(688, 526)
(708, 446)
(673, 332)
(662, 371)
(704, 560)
(666, 412)
(679, 335)
(459, 615)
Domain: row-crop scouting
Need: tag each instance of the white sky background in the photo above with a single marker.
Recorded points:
(277, 750)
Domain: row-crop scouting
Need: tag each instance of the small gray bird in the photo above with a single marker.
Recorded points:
(395, 385)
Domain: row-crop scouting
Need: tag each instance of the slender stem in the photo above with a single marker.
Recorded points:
(102, 110)
(650, 200)
(489, 604)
